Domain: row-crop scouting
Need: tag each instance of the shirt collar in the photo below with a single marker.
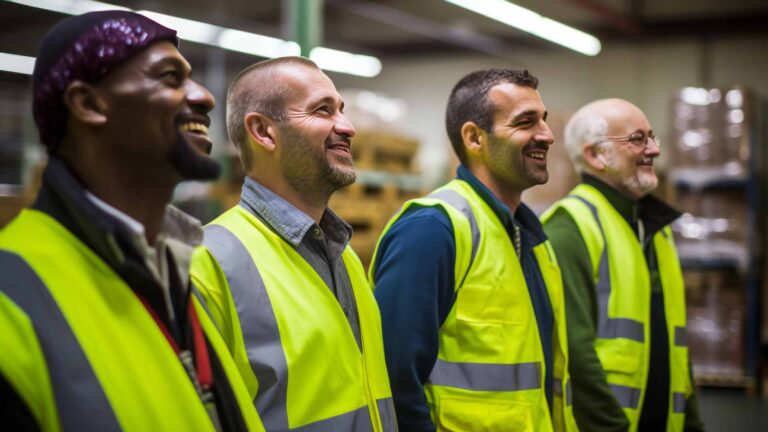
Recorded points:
(286, 220)
(524, 216)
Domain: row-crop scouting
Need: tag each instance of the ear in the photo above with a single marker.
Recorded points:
(262, 130)
(85, 104)
(592, 157)
(474, 137)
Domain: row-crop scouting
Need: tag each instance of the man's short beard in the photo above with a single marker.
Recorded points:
(190, 164)
(307, 169)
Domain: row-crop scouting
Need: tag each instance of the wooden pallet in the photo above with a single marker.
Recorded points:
(385, 152)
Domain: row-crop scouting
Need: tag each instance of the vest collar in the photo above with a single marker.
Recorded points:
(655, 213)
(524, 216)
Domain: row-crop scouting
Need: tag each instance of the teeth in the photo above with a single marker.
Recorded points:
(537, 155)
(194, 127)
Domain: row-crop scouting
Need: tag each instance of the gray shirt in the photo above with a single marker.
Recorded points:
(321, 245)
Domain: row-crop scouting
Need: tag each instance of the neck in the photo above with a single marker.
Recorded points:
(139, 193)
(507, 194)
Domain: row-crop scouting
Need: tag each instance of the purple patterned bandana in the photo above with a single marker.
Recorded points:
(85, 47)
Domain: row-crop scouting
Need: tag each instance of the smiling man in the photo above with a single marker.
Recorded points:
(100, 327)
(470, 295)
(289, 294)
(624, 293)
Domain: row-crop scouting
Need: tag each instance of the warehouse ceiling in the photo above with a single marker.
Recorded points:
(402, 28)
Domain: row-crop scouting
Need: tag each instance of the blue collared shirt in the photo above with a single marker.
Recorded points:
(414, 278)
(321, 245)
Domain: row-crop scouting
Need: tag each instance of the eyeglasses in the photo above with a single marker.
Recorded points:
(638, 140)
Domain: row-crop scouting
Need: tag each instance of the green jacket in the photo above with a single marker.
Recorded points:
(595, 407)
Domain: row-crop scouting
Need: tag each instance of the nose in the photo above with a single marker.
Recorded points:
(343, 126)
(199, 97)
(545, 134)
(652, 147)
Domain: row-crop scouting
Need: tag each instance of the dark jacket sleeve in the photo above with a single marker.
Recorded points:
(693, 421)
(414, 287)
(594, 406)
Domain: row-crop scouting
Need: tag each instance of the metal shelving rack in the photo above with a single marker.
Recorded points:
(717, 173)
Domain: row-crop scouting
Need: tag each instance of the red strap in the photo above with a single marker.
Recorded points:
(202, 360)
(204, 372)
(160, 324)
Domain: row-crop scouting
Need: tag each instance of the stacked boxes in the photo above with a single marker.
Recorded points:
(713, 178)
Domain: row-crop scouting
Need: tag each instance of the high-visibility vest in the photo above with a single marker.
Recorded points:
(290, 338)
(623, 288)
(80, 348)
(489, 374)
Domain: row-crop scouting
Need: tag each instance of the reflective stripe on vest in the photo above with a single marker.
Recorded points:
(610, 328)
(487, 377)
(559, 390)
(74, 383)
(270, 365)
(678, 403)
(628, 397)
(261, 334)
(680, 339)
(459, 203)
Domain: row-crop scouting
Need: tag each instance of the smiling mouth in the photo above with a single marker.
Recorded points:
(195, 128)
(645, 162)
(340, 146)
(538, 155)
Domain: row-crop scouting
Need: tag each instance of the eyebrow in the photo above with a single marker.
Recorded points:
(175, 62)
(329, 100)
(529, 113)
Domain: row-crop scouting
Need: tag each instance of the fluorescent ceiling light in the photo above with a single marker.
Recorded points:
(230, 39)
(17, 63)
(251, 43)
(342, 61)
(69, 7)
(532, 22)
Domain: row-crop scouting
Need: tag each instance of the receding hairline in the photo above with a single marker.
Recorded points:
(265, 68)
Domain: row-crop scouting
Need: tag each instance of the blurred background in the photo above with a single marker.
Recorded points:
(699, 70)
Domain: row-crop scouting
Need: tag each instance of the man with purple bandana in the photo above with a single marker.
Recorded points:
(100, 326)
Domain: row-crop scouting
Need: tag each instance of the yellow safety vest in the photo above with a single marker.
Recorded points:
(289, 336)
(80, 348)
(489, 374)
(623, 287)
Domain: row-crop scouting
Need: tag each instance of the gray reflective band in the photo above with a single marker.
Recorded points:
(628, 397)
(678, 403)
(259, 325)
(486, 376)
(610, 328)
(387, 414)
(80, 399)
(357, 420)
(559, 390)
(459, 203)
(680, 339)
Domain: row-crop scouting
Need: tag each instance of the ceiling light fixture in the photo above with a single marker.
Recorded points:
(534, 23)
(229, 39)
(17, 63)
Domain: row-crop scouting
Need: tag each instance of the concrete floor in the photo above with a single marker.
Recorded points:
(732, 410)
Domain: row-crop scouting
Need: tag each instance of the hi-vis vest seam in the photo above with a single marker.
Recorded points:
(270, 366)
(609, 328)
(74, 383)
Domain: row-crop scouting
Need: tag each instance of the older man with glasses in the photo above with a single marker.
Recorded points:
(624, 292)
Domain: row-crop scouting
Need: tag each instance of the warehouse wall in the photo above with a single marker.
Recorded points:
(647, 74)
